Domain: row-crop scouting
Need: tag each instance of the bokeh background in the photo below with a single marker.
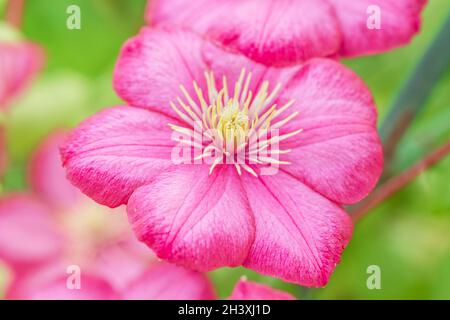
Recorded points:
(408, 236)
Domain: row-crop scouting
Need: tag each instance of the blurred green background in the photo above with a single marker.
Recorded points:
(408, 237)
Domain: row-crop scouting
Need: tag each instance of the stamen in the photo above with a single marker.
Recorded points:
(190, 100)
(281, 123)
(237, 126)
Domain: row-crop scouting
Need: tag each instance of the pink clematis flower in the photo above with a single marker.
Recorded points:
(288, 222)
(19, 62)
(286, 32)
(49, 233)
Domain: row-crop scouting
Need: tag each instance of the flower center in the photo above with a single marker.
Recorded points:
(233, 125)
(242, 128)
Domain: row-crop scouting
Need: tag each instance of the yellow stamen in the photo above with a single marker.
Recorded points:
(238, 121)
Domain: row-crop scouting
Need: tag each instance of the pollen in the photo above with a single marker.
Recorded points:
(237, 125)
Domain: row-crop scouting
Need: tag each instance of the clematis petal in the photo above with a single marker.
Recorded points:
(19, 63)
(154, 64)
(116, 151)
(194, 219)
(28, 235)
(399, 22)
(47, 176)
(247, 290)
(339, 153)
(169, 282)
(300, 235)
(279, 33)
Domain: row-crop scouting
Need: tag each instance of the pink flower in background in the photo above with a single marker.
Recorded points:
(285, 32)
(19, 62)
(247, 290)
(53, 227)
(290, 224)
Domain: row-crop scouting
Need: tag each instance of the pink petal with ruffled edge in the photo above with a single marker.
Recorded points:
(399, 22)
(248, 290)
(116, 151)
(300, 235)
(169, 282)
(194, 219)
(28, 234)
(279, 33)
(19, 63)
(48, 177)
(339, 152)
(284, 32)
(154, 64)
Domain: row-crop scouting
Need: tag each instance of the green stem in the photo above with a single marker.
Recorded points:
(415, 92)
(397, 183)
